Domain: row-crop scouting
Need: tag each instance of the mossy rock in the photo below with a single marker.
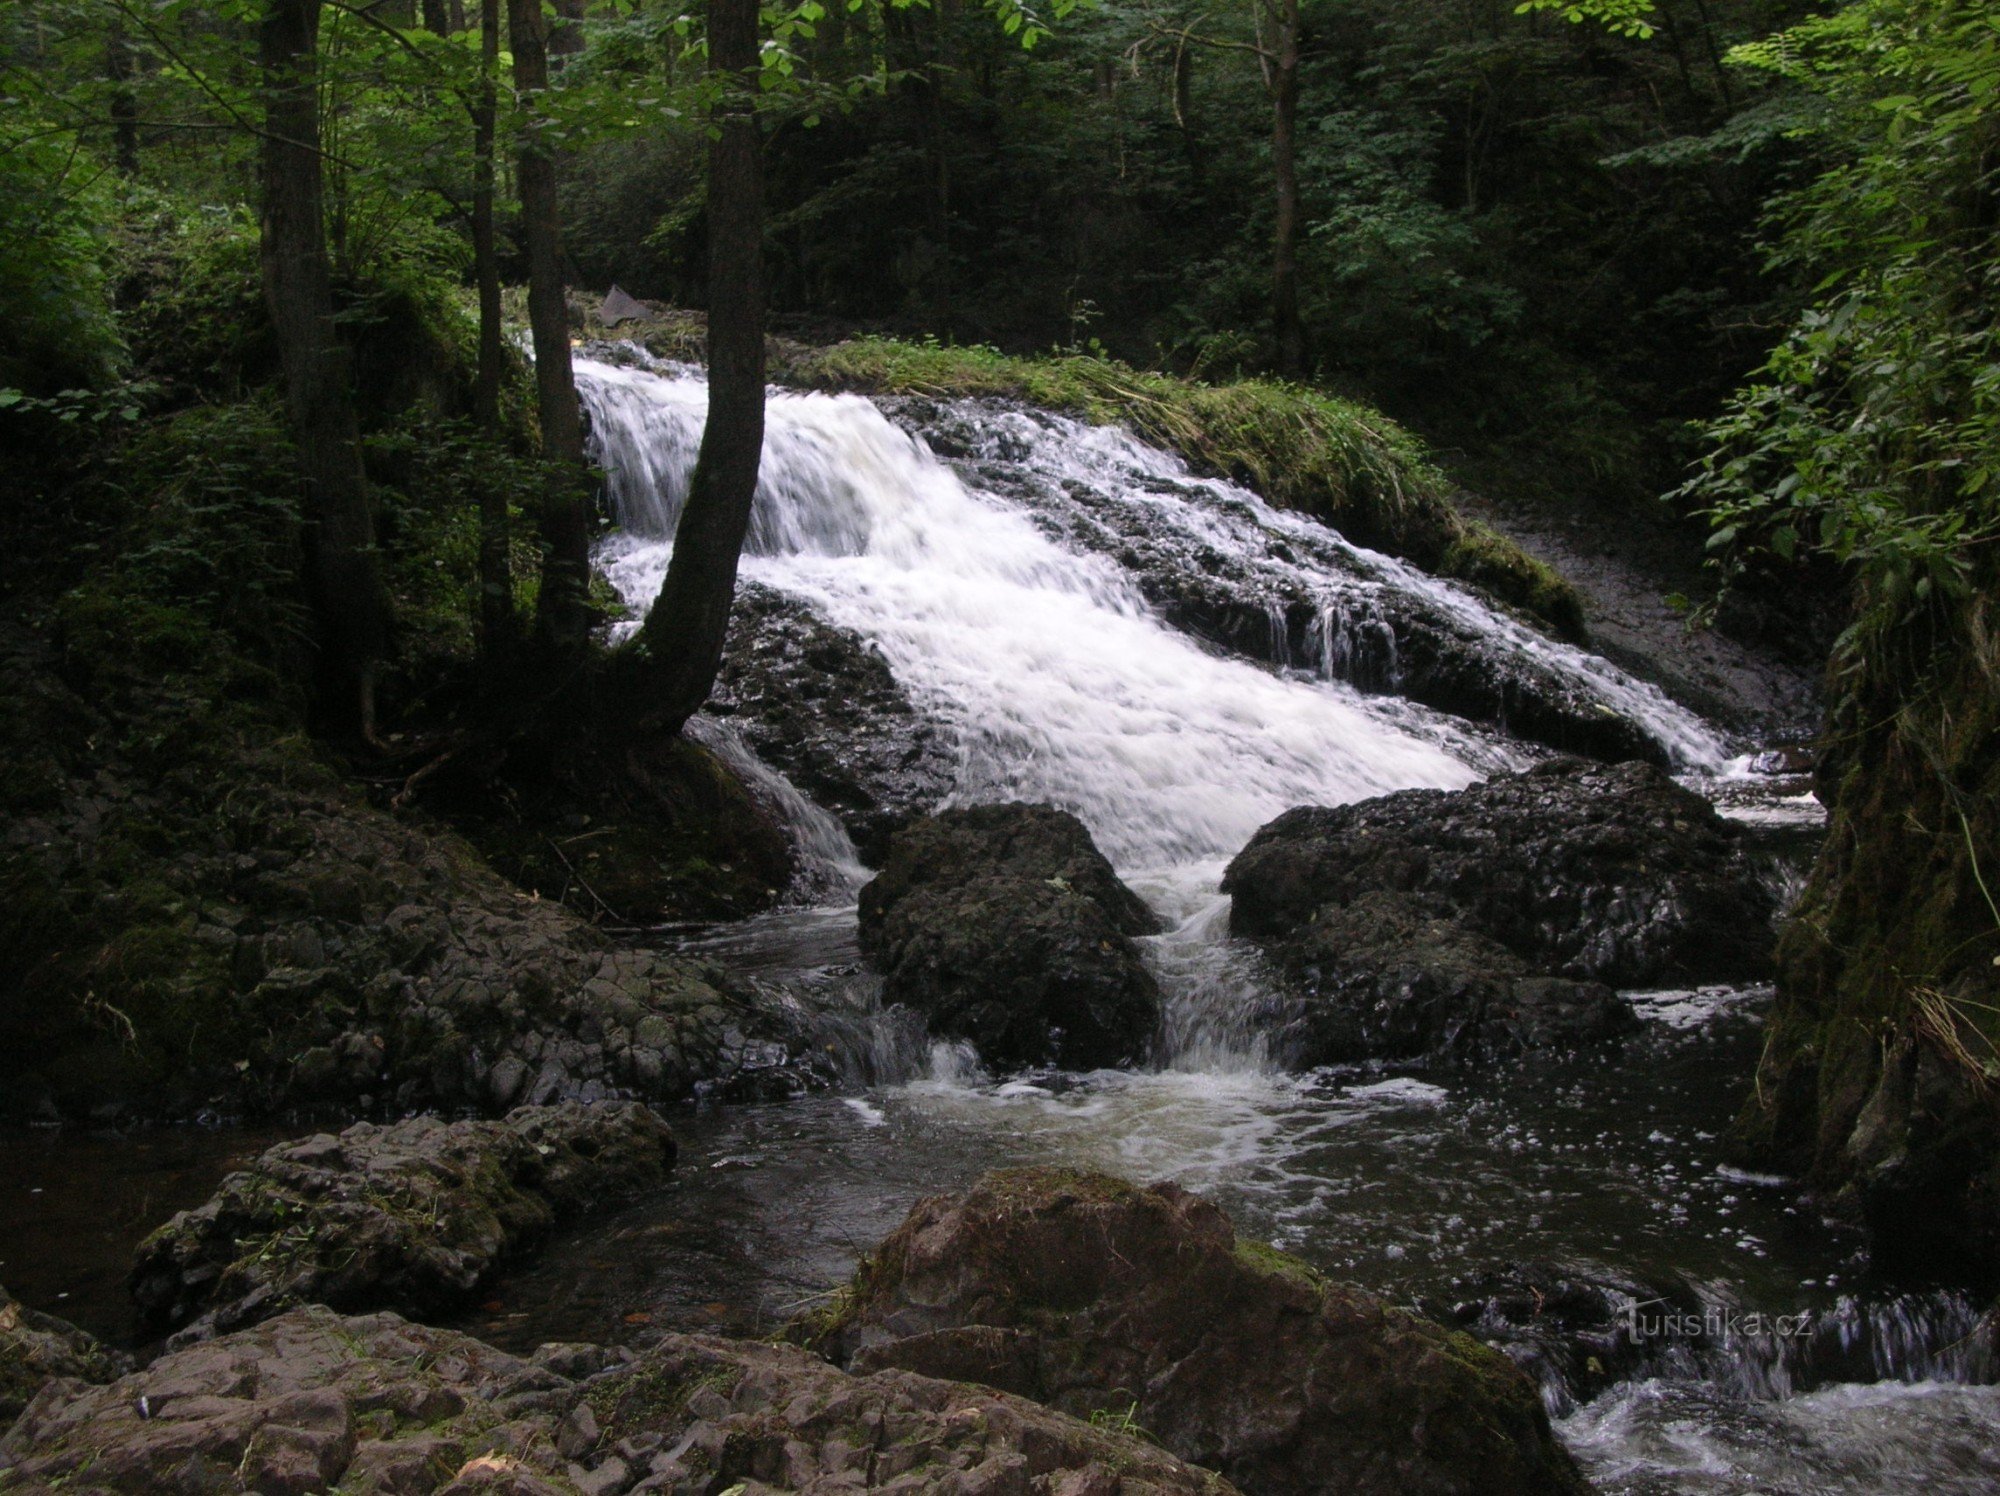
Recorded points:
(1113, 1300)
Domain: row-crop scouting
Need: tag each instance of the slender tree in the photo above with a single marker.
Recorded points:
(684, 632)
(348, 595)
(496, 582)
(563, 613)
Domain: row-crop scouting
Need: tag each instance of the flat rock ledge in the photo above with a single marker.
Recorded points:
(1497, 919)
(412, 1216)
(1003, 925)
(36, 1348)
(313, 1401)
(1108, 1300)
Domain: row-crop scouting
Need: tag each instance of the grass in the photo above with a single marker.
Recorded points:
(1342, 463)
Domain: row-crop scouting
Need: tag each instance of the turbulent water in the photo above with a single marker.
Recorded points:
(1004, 609)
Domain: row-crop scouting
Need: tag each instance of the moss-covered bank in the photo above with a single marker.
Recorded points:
(1880, 1083)
(1342, 463)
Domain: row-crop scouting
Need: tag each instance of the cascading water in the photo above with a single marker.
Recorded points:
(1001, 588)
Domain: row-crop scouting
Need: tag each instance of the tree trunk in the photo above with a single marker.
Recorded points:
(496, 580)
(345, 573)
(563, 612)
(124, 105)
(436, 21)
(1284, 83)
(684, 632)
(566, 36)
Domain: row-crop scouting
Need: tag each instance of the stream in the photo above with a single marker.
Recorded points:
(1005, 585)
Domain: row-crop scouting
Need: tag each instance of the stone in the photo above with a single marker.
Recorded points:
(1004, 925)
(1111, 1301)
(37, 1348)
(413, 1215)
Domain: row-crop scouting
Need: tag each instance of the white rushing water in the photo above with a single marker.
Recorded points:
(1061, 681)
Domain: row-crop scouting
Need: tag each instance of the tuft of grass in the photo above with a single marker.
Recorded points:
(1344, 464)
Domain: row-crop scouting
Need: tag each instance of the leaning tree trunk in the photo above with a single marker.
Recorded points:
(496, 580)
(345, 575)
(684, 632)
(563, 612)
(1284, 83)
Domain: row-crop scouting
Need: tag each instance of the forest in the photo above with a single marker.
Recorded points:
(1122, 746)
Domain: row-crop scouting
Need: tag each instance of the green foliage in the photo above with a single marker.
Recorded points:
(1872, 435)
(56, 328)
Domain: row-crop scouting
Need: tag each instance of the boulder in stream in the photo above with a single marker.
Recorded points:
(1496, 918)
(1109, 1300)
(1005, 926)
(37, 1348)
(411, 1216)
(312, 1401)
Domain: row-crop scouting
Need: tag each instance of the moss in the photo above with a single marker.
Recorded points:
(1880, 1079)
(1267, 1261)
(1338, 461)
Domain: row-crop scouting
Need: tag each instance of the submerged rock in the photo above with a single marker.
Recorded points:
(1106, 1299)
(37, 1348)
(1495, 918)
(312, 1401)
(1004, 925)
(412, 1216)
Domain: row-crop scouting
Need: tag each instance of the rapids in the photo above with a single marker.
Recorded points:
(998, 581)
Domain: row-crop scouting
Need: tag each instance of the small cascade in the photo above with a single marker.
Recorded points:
(829, 869)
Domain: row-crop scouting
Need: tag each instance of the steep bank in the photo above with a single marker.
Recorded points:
(203, 914)
(1880, 1085)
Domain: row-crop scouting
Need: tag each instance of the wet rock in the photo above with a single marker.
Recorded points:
(412, 1216)
(1571, 1325)
(1289, 593)
(1589, 872)
(1105, 1299)
(1394, 976)
(820, 704)
(783, 1420)
(297, 947)
(305, 1402)
(1004, 926)
(312, 1401)
(36, 1348)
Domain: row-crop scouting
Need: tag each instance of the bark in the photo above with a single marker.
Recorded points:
(344, 571)
(563, 613)
(1284, 86)
(684, 631)
(496, 582)
(436, 20)
(118, 62)
(566, 36)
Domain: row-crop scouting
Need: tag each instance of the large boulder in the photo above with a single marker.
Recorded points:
(1394, 976)
(1494, 918)
(412, 1216)
(1608, 873)
(1109, 1300)
(37, 1348)
(1005, 926)
(312, 1401)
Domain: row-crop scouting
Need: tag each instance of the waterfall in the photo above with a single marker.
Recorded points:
(1061, 680)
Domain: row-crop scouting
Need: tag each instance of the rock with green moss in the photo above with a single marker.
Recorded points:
(314, 1402)
(412, 1216)
(1006, 927)
(201, 915)
(1109, 1300)
(310, 1401)
(37, 1348)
